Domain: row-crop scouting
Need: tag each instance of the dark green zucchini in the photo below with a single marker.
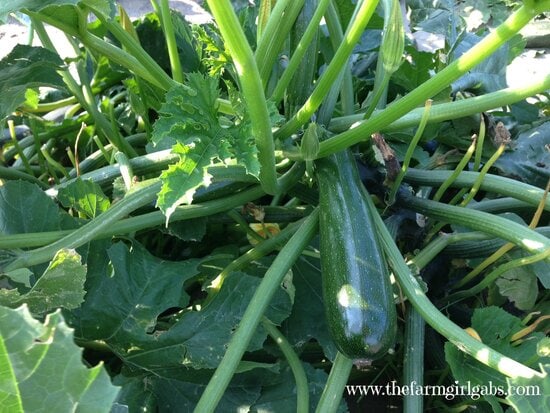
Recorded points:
(356, 286)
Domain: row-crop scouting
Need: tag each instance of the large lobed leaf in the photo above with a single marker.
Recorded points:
(128, 290)
(189, 121)
(41, 368)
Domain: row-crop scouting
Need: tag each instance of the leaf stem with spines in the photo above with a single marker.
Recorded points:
(251, 88)
(299, 52)
(521, 236)
(302, 390)
(435, 318)
(491, 183)
(427, 90)
(329, 76)
(254, 312)
(278, 26)
(336, 382)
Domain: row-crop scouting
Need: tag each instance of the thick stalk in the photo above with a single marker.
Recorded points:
(302, 390)
(436, 319)
(413, 361)
(254, 312)
(140, 222)
(491, 183)
(300, 51)
(170, 36)
(91, 230)
(513, 232)
(427, 90)
(452, 110)
(251, 87)
(336, 382)
(340, 60)
(275, 33)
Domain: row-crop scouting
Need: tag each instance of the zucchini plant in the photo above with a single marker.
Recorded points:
(285, 206)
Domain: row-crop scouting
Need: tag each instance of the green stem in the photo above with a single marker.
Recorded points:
(265, 247)
(329, 76)
(11, 173)
(302, 390)
(497, 272)
(413, 361)
(436, 319)
(300, 51)
(138, 223)
(513, 232)
(491, 183)
(251, 87)
(456, 172)
(430, 88)
(170, 36)
(254, 312)
(336, 382)
(91, 230)
(482, 173)
(410, 151)
(451, 110)
(133, 47)
(278, 26)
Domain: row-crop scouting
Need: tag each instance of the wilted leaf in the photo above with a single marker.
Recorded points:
(61, 285)
(42, 371)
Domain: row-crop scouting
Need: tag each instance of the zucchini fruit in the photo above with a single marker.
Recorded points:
(357, 292)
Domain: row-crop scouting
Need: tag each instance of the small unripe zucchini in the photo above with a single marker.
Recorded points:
(356, 287)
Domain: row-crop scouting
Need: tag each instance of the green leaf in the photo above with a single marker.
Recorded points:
(280, 393)
(25, 208)
(106, 7)
(531, 395)
(308, 320)
(495, 328)
(527, 161)
(61, 285)
(128, 291)
(189, 230)
(86, 197)
(199, 338)
(24, 68)
(42, 371)
(489, 75)
(181, 390)
(151, 38)
(520, 286)
(189, 121)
